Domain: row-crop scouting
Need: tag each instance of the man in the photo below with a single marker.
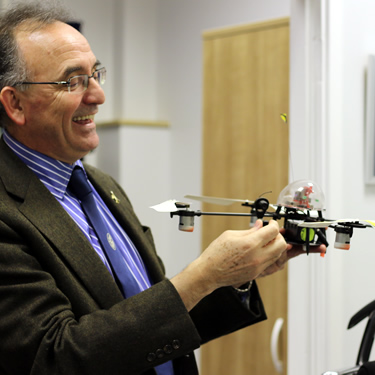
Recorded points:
(63, 307)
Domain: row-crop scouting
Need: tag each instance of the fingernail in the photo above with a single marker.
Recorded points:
(258, 224)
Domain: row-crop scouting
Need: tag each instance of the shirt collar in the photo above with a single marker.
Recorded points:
(54, 174)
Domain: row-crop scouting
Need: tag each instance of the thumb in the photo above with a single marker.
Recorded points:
(257, 225)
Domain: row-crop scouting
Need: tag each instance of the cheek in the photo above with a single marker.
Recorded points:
(34, 104)
(52, 111)
(68, 107)
(62, 109)
(40, 104)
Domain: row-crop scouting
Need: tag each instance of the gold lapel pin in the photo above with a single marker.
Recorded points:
(113, 196)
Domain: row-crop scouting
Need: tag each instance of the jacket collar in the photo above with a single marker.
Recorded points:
(43, 211)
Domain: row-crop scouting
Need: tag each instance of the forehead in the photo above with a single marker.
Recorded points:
(54, 49)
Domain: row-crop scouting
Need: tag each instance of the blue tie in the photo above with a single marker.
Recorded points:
(79, 185)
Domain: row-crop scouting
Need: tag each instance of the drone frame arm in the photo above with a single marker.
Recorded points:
(200, 213)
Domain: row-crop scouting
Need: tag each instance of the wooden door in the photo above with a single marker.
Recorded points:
(245, 155)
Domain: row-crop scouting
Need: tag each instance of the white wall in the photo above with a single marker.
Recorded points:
(307, 322)
(352, 37)
(331, 291)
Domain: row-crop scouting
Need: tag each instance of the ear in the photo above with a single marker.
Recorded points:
(10, 99)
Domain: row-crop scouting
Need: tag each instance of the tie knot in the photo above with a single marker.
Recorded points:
(78, 183)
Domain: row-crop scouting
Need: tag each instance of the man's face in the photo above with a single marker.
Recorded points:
(58, 123)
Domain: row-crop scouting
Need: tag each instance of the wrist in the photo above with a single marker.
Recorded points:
(244, 288)
(192, 284)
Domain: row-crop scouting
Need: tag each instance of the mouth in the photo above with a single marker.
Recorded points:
(84, 119)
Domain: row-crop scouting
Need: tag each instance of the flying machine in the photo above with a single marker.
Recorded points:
(300, 204)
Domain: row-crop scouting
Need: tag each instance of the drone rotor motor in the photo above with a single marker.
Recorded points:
(186, 222)
(343, 235)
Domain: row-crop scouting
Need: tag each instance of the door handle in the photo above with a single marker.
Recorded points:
(276, 330)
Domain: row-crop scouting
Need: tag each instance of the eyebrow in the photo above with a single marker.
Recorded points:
(78, 68)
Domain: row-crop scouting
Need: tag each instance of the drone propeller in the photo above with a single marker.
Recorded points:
(170, 206)
(214, 200)
(224, 201)
(324, 224)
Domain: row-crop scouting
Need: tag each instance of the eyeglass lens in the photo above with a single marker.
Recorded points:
(81, 82)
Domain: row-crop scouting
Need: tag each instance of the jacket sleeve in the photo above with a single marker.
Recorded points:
(61, 312)
(223, 312)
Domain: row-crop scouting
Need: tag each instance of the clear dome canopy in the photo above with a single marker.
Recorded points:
(304, 194)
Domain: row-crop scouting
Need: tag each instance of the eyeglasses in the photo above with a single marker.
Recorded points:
(76, 84)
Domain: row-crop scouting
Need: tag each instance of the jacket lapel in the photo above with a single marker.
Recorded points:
(39, 206)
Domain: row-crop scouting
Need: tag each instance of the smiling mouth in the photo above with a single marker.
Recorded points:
(83, 118)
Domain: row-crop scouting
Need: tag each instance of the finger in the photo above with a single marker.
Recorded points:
(297, 249)
(278, 265)
(245, 232)
(292, 253)
(257, 225)
(275, 251)
(266, 234)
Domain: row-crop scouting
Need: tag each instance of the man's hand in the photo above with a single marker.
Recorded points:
(232, 259)
(239, 256)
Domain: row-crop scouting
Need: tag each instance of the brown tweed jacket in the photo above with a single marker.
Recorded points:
(62, 313)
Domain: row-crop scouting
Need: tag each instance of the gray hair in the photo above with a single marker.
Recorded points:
(32, 15)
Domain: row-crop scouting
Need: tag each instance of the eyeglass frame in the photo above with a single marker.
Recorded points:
(101, 70)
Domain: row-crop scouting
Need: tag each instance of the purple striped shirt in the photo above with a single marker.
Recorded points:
(55, 175)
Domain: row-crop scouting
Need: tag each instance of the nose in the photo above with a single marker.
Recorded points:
(94, 93)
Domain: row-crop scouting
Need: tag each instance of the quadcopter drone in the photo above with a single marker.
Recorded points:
(300, 204)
